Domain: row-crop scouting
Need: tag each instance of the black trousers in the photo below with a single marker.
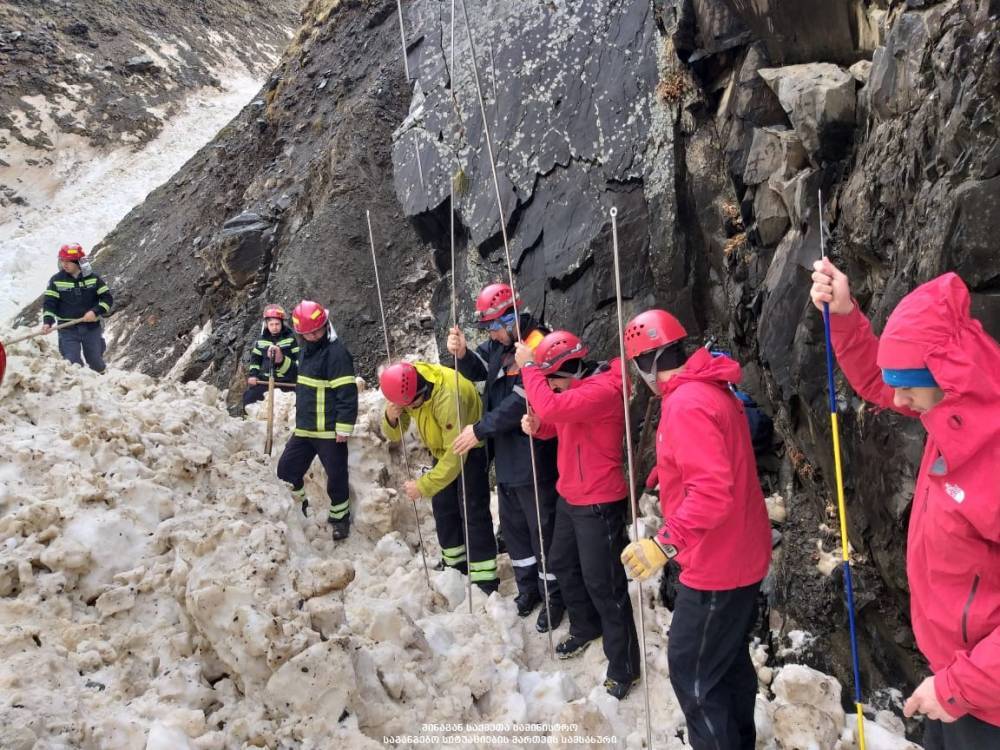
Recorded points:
(710, 668)
(585, 557)
(968, 733)
(298, 457)
(85, 337)
(519, 524)
(481, 558)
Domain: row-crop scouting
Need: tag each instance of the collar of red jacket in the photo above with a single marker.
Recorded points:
(702, 367)
(933, 327)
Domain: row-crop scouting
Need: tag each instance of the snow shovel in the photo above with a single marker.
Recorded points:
(270, 411)
(3, 351)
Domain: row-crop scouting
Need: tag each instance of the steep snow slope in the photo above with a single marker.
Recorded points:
(86, 191)
(159, 588)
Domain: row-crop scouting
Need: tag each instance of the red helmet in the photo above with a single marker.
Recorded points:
(494, 301)
(399, 383)
(274, 311)
(72, 251)
(556, 349)
(651, 330)
(308, 316)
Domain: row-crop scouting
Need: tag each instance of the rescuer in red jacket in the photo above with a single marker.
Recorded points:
(715, 525)
(580, 402)
(936, 363)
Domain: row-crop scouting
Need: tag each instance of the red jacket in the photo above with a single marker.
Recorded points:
(589, 420)
(953, 544)
(711, 500)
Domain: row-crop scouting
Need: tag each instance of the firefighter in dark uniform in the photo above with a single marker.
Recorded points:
(274, 350)
(326, 409)
(493, 362)
(77, 292)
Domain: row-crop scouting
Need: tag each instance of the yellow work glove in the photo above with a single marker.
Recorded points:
(644, 558)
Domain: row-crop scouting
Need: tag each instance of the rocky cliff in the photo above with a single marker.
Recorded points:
(274, 210)
(710, 125)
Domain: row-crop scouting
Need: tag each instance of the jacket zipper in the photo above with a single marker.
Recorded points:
(579, 463)
(968, 606)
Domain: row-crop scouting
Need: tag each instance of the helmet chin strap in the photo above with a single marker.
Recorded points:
(649, 378)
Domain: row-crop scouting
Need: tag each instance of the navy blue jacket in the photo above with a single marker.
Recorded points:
(326, 392)
(287, 371)
(504, 405)
(68, 297)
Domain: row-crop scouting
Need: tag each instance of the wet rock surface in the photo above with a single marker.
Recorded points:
(568, 92)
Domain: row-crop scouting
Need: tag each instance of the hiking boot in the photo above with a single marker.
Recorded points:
(542, 623)
(619, 689)
(488, 587)
(571, 646)
(527, 602)
(341, 528)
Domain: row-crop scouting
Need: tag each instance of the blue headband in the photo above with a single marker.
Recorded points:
(918, 377)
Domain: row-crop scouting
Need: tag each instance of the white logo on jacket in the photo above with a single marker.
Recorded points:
(955, 492)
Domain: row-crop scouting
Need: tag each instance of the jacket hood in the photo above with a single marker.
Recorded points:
(702, 367)
(932, 327)
(611, 370)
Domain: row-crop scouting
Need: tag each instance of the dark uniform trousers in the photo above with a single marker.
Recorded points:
(87, 337)
(967, 733)
(585, 558)
(708, 653)
(519, 522)
(480, 560)
(298, 456)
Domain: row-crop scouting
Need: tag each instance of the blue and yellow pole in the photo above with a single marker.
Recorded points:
(841, 505)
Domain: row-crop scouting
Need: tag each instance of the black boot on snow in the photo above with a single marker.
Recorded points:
(557, 611)
(341, 528)
(619, 689)
(571, 646)
(527, 602)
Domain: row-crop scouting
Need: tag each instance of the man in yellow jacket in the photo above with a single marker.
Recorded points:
(426, 394)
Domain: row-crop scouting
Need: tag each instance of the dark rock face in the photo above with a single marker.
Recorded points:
(273, 210)
(801, 31)
(574, 121)
(911, 190)
(921, 196)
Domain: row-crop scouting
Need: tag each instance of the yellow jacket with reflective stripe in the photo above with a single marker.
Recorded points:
(437, 423)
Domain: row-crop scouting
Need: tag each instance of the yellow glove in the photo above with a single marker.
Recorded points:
(644, 558)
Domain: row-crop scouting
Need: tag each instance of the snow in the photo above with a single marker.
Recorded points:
(84, 192)
(160, 588)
